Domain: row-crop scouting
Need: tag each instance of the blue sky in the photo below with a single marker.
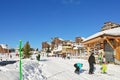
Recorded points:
(40, 20)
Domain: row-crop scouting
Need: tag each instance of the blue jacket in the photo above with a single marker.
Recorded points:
(80, 65)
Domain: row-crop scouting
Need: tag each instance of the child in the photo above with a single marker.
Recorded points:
(104, 67)
(78, 67)
(100, 58)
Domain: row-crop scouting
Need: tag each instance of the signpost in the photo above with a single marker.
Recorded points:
(20, 54)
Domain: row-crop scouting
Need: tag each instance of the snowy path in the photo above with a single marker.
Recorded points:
(63, 69)
(55, 68)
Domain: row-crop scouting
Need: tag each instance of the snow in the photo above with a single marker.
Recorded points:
(61, 39)
(31, 69)
(63, 69)
(75, 48)
(83, 38)
(113, 32)
(4, 46)
(56, 68)
(59, 48)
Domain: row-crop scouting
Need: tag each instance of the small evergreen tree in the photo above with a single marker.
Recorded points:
(26, 50)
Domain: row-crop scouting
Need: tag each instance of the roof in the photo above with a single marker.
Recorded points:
(83, 38)
(61, 39)
(112, 32)
(4, 46)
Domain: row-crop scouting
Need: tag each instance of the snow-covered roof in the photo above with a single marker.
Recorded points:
(61, 39)
(112, 32)
(83, 38)
(4, 46)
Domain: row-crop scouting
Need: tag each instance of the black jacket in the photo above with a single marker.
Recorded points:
(91, 59)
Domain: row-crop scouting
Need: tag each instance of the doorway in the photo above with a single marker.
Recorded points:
(109, 52)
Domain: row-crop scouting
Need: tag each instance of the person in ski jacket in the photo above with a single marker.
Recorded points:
(104, 59)
(78, 67)
(91, 62)
(100, 58)
(104, 65)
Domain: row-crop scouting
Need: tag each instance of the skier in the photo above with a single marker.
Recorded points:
(78, 67)
(91, 61)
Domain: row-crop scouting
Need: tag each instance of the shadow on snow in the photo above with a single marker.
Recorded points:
(4, 63)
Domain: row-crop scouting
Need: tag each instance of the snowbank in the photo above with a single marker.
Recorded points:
(32, 70)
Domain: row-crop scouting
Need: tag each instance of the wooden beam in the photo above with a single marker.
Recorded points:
(117, 56)
(113, 37)
(107, 39)
(117, 40)
(88, 50)
(92, 41)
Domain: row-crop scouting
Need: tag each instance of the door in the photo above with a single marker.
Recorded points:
(109, 52)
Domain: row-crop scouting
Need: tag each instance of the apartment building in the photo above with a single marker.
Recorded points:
(59, 46)
(4, 48)
(45, 46)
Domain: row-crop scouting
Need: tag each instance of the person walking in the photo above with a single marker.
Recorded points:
(91, 62)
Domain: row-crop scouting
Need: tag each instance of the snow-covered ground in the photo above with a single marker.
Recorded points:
(55, 68)
(31, 69)
(60, 69)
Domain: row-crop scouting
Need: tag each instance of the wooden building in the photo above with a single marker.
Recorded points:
(59, 46)
(55, 42)
(4, 48)
(67, 47)
(107, 39)
(45, 46)
(78, 40)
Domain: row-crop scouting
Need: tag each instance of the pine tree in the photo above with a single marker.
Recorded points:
(26, 50)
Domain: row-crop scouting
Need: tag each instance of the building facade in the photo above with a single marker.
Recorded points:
(4, 48)
(59, 46)
(106, 41)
